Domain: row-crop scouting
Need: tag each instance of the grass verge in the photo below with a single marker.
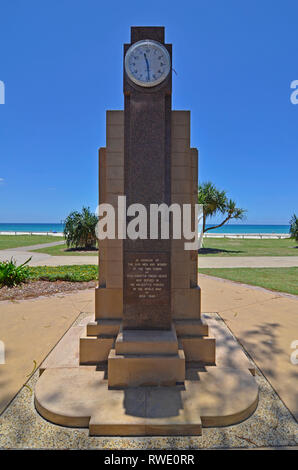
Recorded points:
(248, 247)
(212, 247)
(81, 273)
(14, 241)
(62, 250)
(276, 279)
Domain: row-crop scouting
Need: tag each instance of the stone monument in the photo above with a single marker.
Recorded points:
(147, 363)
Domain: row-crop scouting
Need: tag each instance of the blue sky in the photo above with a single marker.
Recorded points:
(61, 62)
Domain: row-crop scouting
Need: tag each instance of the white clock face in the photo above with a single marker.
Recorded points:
(147, 63)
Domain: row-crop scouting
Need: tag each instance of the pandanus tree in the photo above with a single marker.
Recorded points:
(216, 202)
(79, 229)
(294, 227)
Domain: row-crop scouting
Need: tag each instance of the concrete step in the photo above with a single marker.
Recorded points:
(229, 353)
(145, 370)
(104, 326)
(191, 327)
(95, 349)
(198, 348)
(147, 342)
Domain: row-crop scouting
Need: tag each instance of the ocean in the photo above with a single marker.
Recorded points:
(55, 228)
(243, 228)
(230, 228)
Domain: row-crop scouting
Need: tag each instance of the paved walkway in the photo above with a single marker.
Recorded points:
(43, 259)
(30, 329)
(204, 262)
(21, 254)
(248, 261)
(265, 323)
(39, 246)
(65, 260)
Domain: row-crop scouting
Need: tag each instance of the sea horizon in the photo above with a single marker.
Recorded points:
(229, 228)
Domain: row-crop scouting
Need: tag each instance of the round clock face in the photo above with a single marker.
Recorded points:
(147, 63)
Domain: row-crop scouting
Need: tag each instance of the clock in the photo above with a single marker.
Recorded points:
(147, 63)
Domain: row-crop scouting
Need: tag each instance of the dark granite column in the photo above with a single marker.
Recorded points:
(147, 180)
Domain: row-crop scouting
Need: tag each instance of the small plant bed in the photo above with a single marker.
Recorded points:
(47, 280)
(33, 289)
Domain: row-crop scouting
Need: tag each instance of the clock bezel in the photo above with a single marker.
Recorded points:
(132, 77)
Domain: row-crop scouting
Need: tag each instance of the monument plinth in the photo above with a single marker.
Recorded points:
(147, 363)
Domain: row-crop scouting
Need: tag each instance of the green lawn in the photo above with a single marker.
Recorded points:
(13, 241)
(278, 279)
(211, 246)
(81, 273)
(214, 247)
(62, 250)
(248, 247)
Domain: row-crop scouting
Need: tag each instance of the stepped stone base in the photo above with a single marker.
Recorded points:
(108, 326)
(198, 349)
(144, 370)
(146, 357)
(95, 349)
(70, 394)
(191, 327)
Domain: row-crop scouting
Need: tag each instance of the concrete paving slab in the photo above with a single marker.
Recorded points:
(229, 353)
(29, 329)
(65, 260)
(66, 352)
(270, 426)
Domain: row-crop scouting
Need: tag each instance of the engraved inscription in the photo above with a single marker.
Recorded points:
(147, 276)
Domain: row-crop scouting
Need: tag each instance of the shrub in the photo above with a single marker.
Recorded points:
(294, 227)
(216, 202)
(79, 229)
(11, 274)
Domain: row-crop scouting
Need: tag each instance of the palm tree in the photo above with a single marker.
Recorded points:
(294, 227)
(79, 229)
(216, 202)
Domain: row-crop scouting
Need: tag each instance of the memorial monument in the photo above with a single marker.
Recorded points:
(147, 364)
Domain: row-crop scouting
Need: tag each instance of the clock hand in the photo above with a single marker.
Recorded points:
(147, 66)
